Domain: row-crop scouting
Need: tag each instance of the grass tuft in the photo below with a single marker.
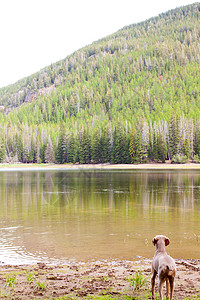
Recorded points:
(10, 280)
(138, 280)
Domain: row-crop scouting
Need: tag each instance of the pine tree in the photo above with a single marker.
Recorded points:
(19, 147)
(2, 150)
(73, 149)
(25, 154)
(84, 148)
(136, 148)
(105, 147)
(42, 152)
(60, 153)
(49, 153)
(161, 148)
(173, 136)
(32, 154)
(186, 148)
(96, 148)
(117, 149)
(37, 152)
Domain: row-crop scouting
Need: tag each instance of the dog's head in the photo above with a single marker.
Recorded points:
(160, 239)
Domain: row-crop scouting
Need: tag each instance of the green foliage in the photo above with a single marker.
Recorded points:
(179, 159)
(40, 285)
(108, 297)
(173, 136)
(196, 159)
(193, 297)
(138, 281)
(119, 153)
(30, 277)
(83, 109)
(84, 148)
(10, 280)
(49, 151)
(137, 147)
(2, 151)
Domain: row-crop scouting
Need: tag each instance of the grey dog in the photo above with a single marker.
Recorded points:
(164, 266)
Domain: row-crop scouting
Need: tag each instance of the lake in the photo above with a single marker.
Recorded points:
(84, 215)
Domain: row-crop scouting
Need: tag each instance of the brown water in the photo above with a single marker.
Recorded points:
(53, 215)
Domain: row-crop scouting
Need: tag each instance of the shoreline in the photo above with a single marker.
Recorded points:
(102, 279)
(99, 167)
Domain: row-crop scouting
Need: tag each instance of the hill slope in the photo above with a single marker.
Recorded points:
(128, 97)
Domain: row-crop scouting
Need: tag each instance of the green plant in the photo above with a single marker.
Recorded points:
(138, 280)
(107, 297)
(10, 280)
(3, 294)
(64, 298)
(193, 297)
(106, 278)
(196, 159)
(40, 285)
(30, 277)
(147, 296)
(179, 159)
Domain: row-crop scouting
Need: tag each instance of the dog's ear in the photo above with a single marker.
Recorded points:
(154, 241)
(166, 242)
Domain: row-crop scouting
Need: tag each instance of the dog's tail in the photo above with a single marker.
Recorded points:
(170, 271)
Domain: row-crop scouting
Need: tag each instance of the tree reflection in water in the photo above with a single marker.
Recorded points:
(49, 215)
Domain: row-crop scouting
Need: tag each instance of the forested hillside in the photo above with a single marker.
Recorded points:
(131, 97)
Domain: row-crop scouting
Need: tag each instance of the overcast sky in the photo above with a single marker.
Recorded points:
(36, 33)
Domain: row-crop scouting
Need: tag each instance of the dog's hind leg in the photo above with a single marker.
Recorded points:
(171, 280)
(167, 287)
(153, 277)
(160, 287)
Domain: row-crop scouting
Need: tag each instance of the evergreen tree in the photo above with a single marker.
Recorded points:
(2, 150)
(105, 147)
(60, 151)
(197, 140)
(96, 148)
(186, 148)
(116, 148)
(32, 155)
(136, 148)
(161, 148)
(84, 148)
(173, 136)
(73, 149)
(25, 158)
(37, 152)
(19, 147)
(42, 152)
(49, 153)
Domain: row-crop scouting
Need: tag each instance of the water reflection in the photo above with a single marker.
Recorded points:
(83, 215)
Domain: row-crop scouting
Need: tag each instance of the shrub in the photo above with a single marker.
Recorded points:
(179, 159)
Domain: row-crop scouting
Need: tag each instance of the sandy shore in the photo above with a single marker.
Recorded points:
(100, 167)
(93, 280)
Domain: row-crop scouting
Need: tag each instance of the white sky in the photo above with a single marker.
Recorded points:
(36, 33)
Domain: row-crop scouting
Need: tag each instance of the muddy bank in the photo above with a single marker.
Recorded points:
(89, 280)
(99, 167)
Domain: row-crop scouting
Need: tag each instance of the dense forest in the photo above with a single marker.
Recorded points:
(131, 97)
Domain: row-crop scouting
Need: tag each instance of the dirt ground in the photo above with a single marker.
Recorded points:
(99, 167)
(92, 280)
